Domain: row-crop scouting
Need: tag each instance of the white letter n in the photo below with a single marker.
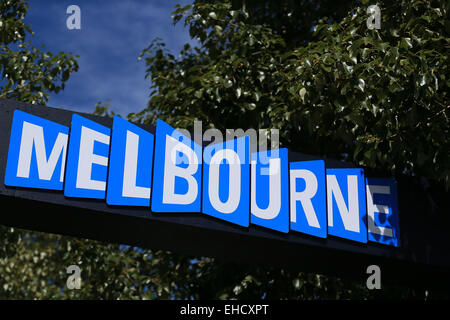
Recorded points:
(350, 214)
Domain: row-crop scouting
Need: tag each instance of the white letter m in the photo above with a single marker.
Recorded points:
(34, 135)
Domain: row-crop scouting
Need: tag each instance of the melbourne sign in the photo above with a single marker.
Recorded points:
(167, 172)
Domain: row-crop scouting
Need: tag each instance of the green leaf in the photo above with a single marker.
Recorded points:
(199, 93)
(394, 33)
(238, 92)
(302, 94)
(347, 68)
(218, 29)
(251, 106)
(228, 83)
(361, 84)
(406, 43)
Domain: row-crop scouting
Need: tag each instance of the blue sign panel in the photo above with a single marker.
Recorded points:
(270, 189)
(37, 153)
(87, 159)
(382, 211)
(308, 197)
(226, 181)
(177, 171)
(130, 165)
(346, 202)
(238, 187)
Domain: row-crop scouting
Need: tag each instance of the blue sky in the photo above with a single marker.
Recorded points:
(112, 35)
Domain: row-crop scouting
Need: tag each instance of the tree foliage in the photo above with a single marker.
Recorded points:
(333, 87)
(28, 73)
(375, 97)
